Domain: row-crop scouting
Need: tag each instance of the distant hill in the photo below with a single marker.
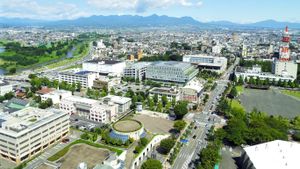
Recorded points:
(141, 21)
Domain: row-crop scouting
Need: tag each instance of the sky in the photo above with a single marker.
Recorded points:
(239, 11)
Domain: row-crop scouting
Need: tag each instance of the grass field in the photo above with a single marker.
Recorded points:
(295, 94)
(83, 153)
(236, 104)
(272, 101)
(65, 150)
(240, 89)
(127, 125)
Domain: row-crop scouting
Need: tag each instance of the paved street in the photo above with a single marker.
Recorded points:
(189, 152)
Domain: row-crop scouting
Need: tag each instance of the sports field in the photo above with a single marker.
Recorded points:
(270, 101)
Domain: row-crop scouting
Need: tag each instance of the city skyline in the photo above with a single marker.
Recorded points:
(247, 11)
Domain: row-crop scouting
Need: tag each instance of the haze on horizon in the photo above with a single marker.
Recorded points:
(240, 11)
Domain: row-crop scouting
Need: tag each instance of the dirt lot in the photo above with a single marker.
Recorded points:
(44, 166)
(83, 153)
(155, 125)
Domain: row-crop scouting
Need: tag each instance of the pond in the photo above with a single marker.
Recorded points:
(2, 49)
(70, 53)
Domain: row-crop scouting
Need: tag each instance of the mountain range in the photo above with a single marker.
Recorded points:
(141, 21)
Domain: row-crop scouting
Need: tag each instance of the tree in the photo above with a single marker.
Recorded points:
(85, 136)
(159, 107)
(179, 125)
(12, 70)
(166, 145)
(112, 91)
(152, 164)
(144, 141)
(180, 110)
(164, 100)
(240, 81)
(233, 93)
(155, 98)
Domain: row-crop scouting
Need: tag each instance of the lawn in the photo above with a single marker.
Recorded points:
(65, 150)
(240, 89)
(236, 104)
(295, 94)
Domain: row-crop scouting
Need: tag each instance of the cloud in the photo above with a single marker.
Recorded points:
(34, 10)
(57, 9)
(140, 6)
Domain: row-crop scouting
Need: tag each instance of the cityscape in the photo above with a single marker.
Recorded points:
(142, 84)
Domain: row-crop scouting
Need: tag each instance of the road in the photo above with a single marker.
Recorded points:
(189, 152)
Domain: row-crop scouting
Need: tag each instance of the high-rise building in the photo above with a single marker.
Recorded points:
(285, 66)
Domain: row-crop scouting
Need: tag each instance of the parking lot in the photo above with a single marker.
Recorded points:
(83, 124)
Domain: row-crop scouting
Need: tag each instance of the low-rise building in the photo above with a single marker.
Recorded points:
(16, 104)
(123, 103)
(170, 93)
(285, 68)
(5, 87)
(85, 78)
(105, 67)
(137, 70)
(276, 154)
(192, 91)
(212, 63)
(89, 108)
(29, 131)
(255, 72)
(171, 72)
(56, 96)
(106, 82)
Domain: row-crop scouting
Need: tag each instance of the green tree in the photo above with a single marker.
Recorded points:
(85, 136)
(12, 70)
(112, 91)
(233, 92)
(180, 109)
(164, 100)
(179, 125)
(166, 145)
(155, 98)
(159, 107)
(152, 164)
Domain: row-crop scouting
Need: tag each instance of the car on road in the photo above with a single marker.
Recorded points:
(194, 136)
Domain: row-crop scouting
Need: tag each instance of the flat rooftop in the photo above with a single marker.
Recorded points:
(164, 90)
(78, 99)
(117, 99)
(276, 154)
(172, 64)
(27, 119)
(107, 62)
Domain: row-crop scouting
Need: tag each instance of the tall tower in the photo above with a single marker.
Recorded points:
(284, 53)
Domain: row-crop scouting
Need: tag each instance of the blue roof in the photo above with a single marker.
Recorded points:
(82, 72)
(114, 135)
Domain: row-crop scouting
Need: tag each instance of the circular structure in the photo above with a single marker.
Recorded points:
(127, 126)
(126, 129)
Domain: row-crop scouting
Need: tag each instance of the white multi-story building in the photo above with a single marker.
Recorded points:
(287, 68)
(56, 96)
(123, 103)
(255, 72)
(5, 87)
(136, 70)
(171, 71)
(105, 67)
(29, 131)
(89, 108)
(85, 78)
(212, 63)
